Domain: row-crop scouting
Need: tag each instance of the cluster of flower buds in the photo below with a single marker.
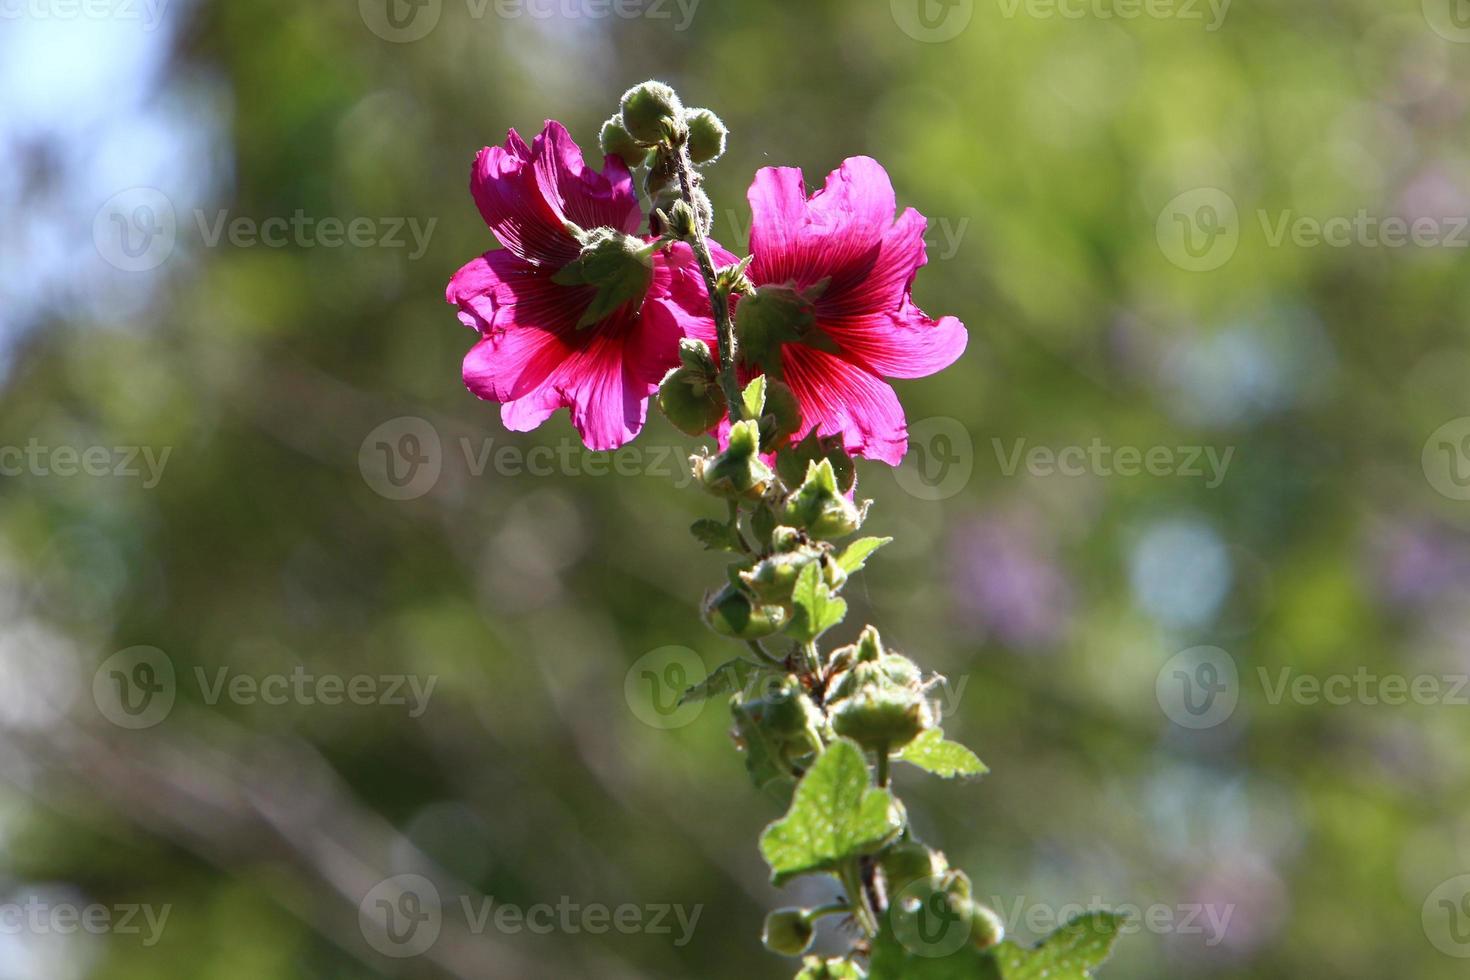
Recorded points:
(915, 876)
(793, 531)
(876, 698)
(653, 129)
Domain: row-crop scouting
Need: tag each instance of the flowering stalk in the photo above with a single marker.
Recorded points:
(579, 310)
(719, 297)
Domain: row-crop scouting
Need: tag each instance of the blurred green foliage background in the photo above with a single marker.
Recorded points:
(1049, 146)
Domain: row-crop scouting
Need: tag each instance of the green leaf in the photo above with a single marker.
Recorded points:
(714, 535)
(933, 753)
(836, 814)
(1070, 953)
(1073, 952)
(855, 555)
(817, 609)
(754, 397)
(729, 676)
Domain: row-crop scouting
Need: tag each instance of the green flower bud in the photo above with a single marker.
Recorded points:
(738, 472)
(909, 861)
(618, 142)
(691, 400)
(695, 355)
(707, 134)
(882, 720)
(788, 931)
(619, 265)
(792, 463)
(730, 612)
(652, 113)
(773, 578)
(781, 707)
(986, 928)
(820, 508)
(784, 539)
(683, 222)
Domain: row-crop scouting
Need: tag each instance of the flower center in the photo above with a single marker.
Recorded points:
(774, 315)
(618, 266)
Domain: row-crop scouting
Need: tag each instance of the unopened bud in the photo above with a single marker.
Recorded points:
(818, 507)
(652, 114)
(788, 931)
(737, 472)
(730, 612)
(909, 861)
(618, 142)
(882, 720)
(707, 134)
(987, 929)
(692, 400)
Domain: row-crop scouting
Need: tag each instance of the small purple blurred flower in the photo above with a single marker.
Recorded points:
(1414, 564)
(1007, 581)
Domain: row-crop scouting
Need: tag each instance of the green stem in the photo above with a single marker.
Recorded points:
(882, 766)
(719, 301)
(832, 908)
(857, 897)
(765, 654)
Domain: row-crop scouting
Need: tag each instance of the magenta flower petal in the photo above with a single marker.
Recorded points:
(503, 182)
(837, 234)
(578, 193)
(679, 295)
(837, 396)
(535, 355)
(856, 263)
(905, 344)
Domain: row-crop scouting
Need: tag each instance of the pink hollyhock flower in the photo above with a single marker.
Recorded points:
(833, 315)
(574, 312)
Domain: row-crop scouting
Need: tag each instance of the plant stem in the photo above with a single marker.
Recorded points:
(857, 897)
(765, 655)
(882, 766)
(719, 301)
